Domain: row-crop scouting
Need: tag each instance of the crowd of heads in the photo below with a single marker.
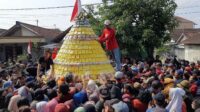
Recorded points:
(141, 86)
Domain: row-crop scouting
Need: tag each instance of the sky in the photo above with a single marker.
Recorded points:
(60, 18)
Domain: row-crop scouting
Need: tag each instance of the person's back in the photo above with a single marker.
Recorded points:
(139, 106)
(120, 107)
(50, 106)
(99, 106)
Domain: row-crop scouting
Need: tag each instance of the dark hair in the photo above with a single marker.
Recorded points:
(48, 51)
(64, 89)
(145, 97)
(156, 84)
(39, 94)
(128, 87)
(115, 92)
(129, 74)
(161, 103)
(196, 102)
(51, 94)
(51, 83)
(135, 92)
(23, 101)
(89, 108)
(69, 77)
(24, 109)
(186, 75)
(197, 72)
(30, 84)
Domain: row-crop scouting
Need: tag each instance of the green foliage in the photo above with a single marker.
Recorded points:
(141, 25)
(162, 50)
(22, 57)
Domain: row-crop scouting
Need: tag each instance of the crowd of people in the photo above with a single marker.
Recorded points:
(141, 86)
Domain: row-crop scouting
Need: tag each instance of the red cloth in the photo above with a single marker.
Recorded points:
(54, 53)
(158, 71)
(139, 106)
(63, 99)
(51, 105)
(193, 89)
(184, 107)
(61, 107)
(76, 10)
(108, 36)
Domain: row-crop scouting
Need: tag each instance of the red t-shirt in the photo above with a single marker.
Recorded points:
(139, 106)
(108, 36)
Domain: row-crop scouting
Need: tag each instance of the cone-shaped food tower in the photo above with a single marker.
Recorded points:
(81, 53)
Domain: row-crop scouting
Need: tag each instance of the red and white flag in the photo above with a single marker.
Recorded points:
(77, 10)
(29, 47)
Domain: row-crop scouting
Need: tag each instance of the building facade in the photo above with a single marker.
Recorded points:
(185, 40)
(14, 41)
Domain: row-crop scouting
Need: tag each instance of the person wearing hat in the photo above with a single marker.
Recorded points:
(188, 95)
(108, 36)
(179, 76)
(118, 79)
(168, 83)
(104, 94)
(116, 100)
(45, 64)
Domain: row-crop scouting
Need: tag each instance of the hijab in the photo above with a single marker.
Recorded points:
(91, 86)
(40, 106)
(23, 91)
(176, 96)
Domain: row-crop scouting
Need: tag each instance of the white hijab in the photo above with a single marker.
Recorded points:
(176, 96)
(40, 106)
(92, 85)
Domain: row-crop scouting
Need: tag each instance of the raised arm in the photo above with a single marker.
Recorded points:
(38, 71)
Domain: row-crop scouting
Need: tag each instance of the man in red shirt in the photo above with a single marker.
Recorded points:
(108, 36)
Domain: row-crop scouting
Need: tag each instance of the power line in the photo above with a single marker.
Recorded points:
(197, 12)
(46, 8)
(33, 15)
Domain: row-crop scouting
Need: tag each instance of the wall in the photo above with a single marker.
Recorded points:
(192, 52)
(179, 52)
(186, 25)
(26, 32)
(16, 33)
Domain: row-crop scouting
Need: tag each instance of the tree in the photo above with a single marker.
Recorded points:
(142, 25)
